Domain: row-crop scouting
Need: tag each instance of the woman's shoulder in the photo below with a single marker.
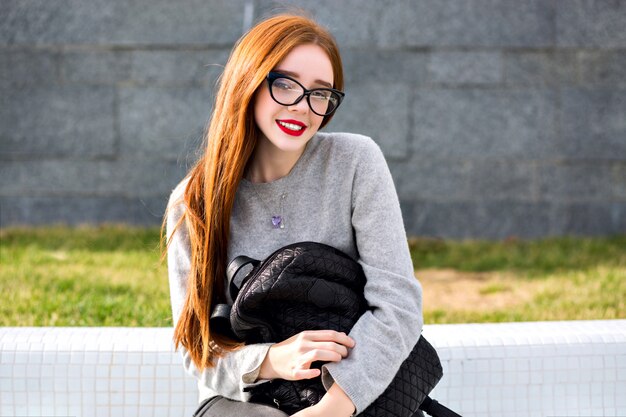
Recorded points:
(361, 149)
(352, 145)
(177, 194)
(176, 204)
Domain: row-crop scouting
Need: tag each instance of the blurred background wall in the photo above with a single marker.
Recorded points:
(498, 118)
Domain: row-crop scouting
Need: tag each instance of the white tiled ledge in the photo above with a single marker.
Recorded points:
(575, 368)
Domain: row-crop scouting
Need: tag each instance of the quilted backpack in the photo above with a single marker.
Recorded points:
(313, 286)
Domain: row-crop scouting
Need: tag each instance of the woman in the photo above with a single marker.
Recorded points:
(268, 178)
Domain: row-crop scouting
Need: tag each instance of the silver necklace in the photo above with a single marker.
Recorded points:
(277, 220)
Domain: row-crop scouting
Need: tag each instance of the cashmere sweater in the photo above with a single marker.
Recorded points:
(341, 193)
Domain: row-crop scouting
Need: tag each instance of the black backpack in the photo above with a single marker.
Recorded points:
(312, 286)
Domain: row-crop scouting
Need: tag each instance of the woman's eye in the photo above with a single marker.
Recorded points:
(320, 95)
(283, 84)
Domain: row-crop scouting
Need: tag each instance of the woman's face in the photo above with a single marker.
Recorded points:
(289, 128)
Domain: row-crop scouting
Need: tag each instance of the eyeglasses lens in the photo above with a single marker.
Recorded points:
(287, 92)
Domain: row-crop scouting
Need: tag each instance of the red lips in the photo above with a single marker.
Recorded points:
(289, 129)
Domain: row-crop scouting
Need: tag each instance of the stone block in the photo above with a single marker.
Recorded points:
(24, 66)
(49, 177)
(138, 211)
(351, 22)
(575, 181)
(380, 111)
(474, 123)
(465, 68)
(488, 220)
(137, 176)
(502, 179)
(475, 23)
(28, 22)
(164, 122)
(178, 67)
(619, 182)
(591, 23)
(377, 65)
(432, 179)
(603, 68)
(129, 177)
(96, 67)
(213, 22)
(119, 22)
(56, 121)
(546, 69)
(590, 219)
(593, 124)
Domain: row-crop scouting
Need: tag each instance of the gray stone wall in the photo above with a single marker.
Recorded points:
(498, 117)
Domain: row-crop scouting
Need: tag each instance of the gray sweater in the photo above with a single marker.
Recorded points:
(340, 192)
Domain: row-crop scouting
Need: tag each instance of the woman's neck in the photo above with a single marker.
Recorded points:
(269, 163)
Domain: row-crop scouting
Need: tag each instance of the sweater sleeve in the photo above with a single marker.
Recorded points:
(232, 372)
(386, 334)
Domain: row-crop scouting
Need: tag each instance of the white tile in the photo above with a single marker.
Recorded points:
(46, 370)
(116, 398)
(60, 370)
(162, 385)
(102, 398)
(116, 385)
(105, 357)
(103, 411)
(147, 385)
(61, 398)
(19, 385)
(76, 410)
(7, 409)
(133, 411)
(146, 397)
(149, 358)
(6, 385)
(88, 384)
(19, 371)
(523, 378)
(103, 371)
(610, 374)
(132, 398)
(496, 378)
(90, 358)
(88, 371)
(74, 371)
(102, 384)
(161, 411)
(162, 372)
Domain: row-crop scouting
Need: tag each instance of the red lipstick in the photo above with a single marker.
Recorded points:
(291, 127)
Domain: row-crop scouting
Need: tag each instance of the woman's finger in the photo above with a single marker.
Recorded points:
(328, 335)
(333, 347)
(318, 355)
(299, 373)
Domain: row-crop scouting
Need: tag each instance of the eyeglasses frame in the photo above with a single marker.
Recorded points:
(273, 76)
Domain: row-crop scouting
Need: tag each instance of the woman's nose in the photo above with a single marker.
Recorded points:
(301, 107)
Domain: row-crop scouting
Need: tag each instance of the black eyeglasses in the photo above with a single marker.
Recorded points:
(287, 92)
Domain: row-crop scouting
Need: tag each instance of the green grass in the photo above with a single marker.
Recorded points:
(105, 276)
(550, 279)
(538, 257)
(112, 276)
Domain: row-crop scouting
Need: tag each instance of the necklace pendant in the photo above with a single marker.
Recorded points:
(277, 222)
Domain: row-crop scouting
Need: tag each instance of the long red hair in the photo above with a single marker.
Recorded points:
(230, 140)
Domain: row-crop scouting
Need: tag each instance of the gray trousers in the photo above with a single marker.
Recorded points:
(223, 407)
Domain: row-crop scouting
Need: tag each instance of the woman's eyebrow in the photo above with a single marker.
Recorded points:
(293, 74)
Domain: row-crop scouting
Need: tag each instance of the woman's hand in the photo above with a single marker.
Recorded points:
(335, 403)
(291, 359)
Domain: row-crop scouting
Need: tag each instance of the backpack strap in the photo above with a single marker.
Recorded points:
(433, 408)
(234, 267)
(220, 316)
